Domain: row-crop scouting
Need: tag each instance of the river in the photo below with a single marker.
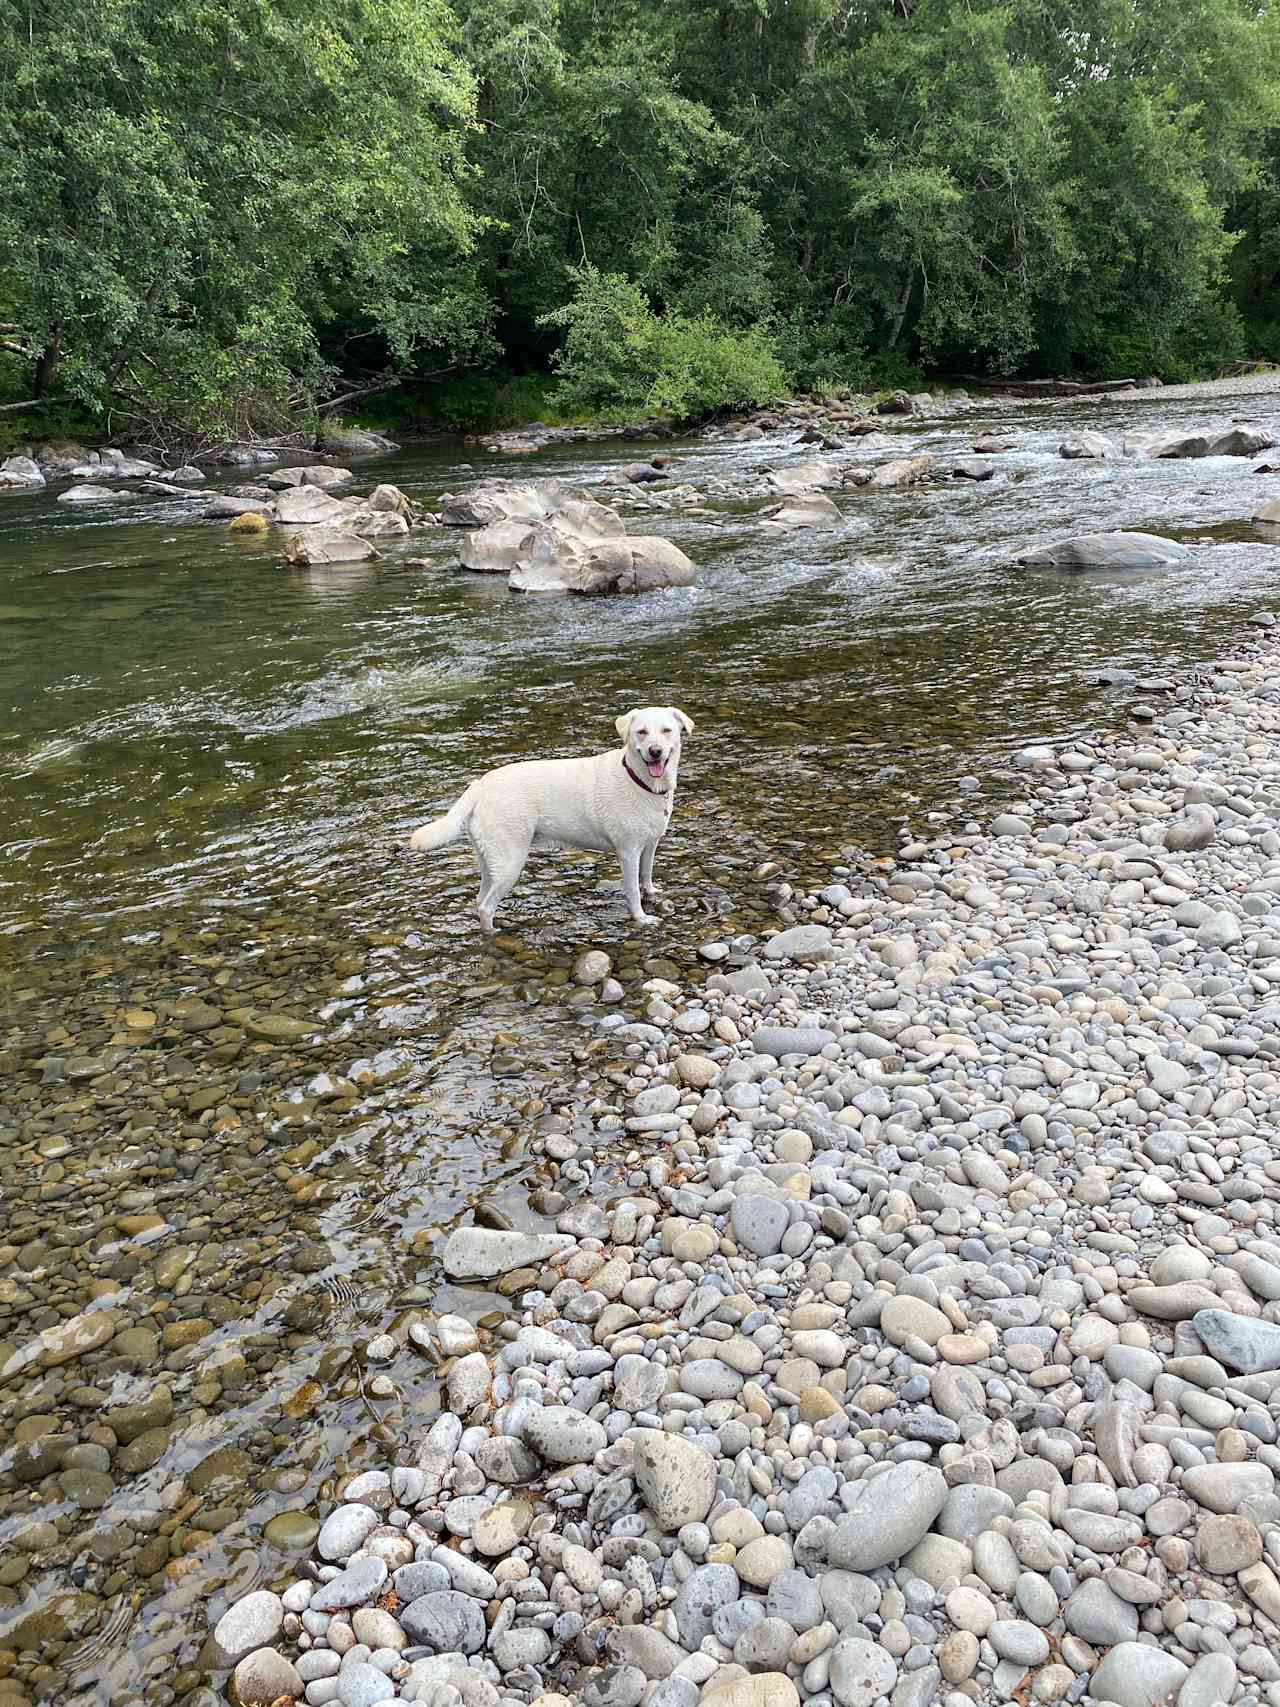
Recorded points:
(256, 1057)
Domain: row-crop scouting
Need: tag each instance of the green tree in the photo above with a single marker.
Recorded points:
(192, 194)
(620, 356)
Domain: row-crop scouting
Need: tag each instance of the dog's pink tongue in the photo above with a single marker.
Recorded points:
(655, 767)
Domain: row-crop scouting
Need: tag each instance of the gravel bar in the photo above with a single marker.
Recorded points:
(932, 1351)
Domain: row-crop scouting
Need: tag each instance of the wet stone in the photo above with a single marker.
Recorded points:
(361, 1579)
(291, 1530)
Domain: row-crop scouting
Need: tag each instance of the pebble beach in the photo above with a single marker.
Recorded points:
(932, 1353)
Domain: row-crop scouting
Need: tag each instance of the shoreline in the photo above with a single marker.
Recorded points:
(924, 1283)
(534, 435)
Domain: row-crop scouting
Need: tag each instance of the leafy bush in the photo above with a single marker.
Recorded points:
(702, 368)
(621, 358)
(1204, 342)
(823, 353)
(1262, 340)
(488, 402)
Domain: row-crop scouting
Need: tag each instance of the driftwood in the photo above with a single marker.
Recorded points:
(1049, 387)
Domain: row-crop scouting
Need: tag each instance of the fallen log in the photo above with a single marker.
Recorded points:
(1050, 387)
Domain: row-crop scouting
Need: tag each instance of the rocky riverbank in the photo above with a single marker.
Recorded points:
(932, 1352)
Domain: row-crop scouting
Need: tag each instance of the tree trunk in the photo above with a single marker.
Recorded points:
(46, 363)
(900, 313)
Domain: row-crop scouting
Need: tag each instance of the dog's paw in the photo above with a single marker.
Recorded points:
(652, 890)
(643, 919)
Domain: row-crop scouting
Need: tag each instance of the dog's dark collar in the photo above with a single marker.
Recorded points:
(662, 793)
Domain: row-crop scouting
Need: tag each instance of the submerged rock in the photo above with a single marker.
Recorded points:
(1127, 551)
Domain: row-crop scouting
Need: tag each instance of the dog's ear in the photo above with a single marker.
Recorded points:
(621, 724)
(683, 719)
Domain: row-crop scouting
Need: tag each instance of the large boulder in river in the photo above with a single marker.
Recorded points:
(389, 498)
(805, 510)
(1236, 441)
(903, 471)
(805, 477)
(230, 504)
(547, 538)
(561, 564)
(498, 548)
(353, 441)
(1089, 447)
(1105, 551)
(20, 471)
(655, 563)
(556, 561)
(87, 495)
(60, 456)
(552, 557)
(384, 512)
(319, 546)
(530, 501)
(371, 523)
(308, 506)
(320, 474)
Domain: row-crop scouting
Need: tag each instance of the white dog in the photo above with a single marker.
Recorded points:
(616, 802)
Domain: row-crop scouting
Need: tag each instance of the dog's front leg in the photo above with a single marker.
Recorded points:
(630, 858)
(647, 885)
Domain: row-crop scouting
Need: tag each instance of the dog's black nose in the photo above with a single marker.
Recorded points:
(655, 752)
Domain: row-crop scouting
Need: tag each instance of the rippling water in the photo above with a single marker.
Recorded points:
(208, 766)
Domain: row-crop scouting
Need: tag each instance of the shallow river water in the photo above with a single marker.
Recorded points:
(255, 1058)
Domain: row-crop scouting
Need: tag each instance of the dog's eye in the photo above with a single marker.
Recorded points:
(642, 731)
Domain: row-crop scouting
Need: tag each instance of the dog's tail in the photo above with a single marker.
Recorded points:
(441, 831)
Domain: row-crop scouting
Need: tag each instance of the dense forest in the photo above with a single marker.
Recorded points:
(224, 214)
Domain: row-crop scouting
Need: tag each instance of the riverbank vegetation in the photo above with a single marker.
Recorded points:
(222, 222)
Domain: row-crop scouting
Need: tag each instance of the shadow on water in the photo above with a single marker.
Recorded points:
(256, 1059)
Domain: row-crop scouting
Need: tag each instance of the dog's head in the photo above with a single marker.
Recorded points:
(651, 736)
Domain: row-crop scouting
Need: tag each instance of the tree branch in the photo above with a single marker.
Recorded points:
(383, 384)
